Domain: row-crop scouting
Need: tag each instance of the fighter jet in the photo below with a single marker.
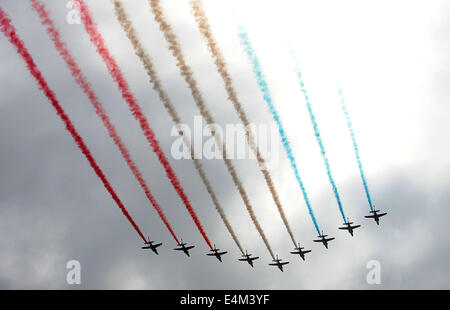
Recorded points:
(348, 226)
(323, 239)
(278, 263)
(299, 250)
(247, 258)
(151, 246)
(184, 248)
(376, 216)
(216, 253)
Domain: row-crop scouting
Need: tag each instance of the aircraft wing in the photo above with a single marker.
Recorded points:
(370, 216)
(356, 226)
(253, 258)
(221, 253)
(298, 252)
(189, 247)
(317, 240)
(145, 247)
(242, 259)
(381, 214)
(284, 263)
(306, 251)
(157, 245)
(273, 264)
(329, 239)
(211, 254)
(178, 249)
(343, 228)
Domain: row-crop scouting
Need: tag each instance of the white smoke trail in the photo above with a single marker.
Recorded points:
(187, 74)
(222, 68)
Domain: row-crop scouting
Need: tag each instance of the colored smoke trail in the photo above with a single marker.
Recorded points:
(355, 147)
(132, 35)
(116, 73)
(99, 109)
(186, 72)
(245, 42)
(10, 32)
(222, 68)
(318, 138)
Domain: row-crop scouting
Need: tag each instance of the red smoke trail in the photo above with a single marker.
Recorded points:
(10, 32)
(84, 84)
(135, 109)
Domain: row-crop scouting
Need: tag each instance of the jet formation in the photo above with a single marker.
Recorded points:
(298, 250)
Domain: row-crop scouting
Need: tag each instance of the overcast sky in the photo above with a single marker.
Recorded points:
(392, 59)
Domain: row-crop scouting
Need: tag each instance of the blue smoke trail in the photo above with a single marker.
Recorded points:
(245, 42)
(355, 147)
(317, 134)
